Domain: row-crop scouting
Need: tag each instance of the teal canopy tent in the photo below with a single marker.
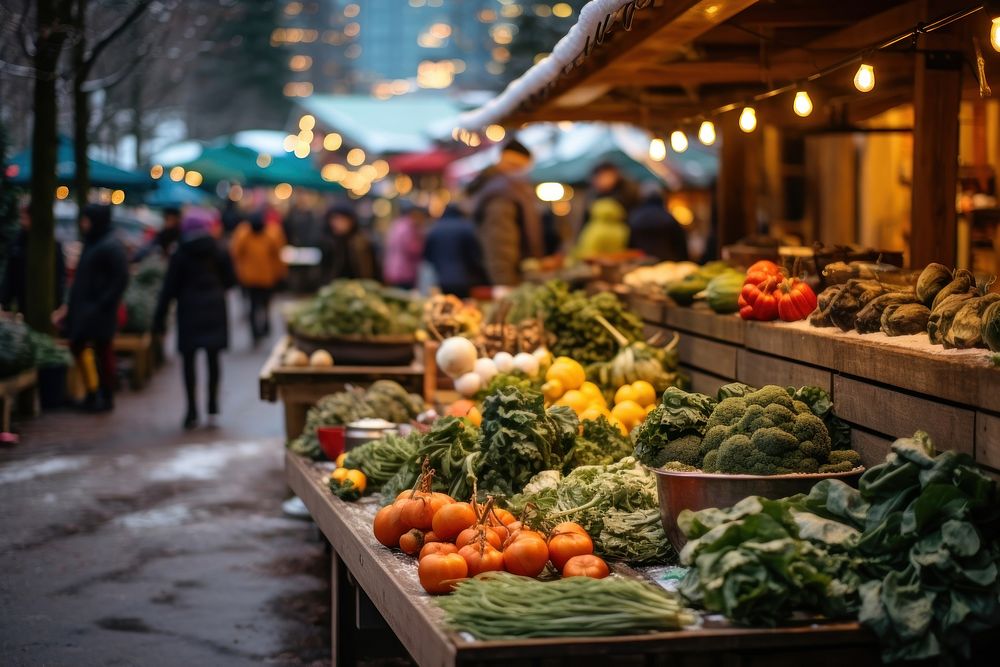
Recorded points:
(240, 164)
(102, 175)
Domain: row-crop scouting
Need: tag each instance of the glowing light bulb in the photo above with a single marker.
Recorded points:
(657, 150)
(706, 133)
(748, 119)
(802, 105)
(995, 34)
(678, 141)
(864, 80)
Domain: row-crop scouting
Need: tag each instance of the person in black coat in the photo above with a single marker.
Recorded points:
(14, 286)
(654, 231)
(452, 248)
(198, 275)
(91, 314)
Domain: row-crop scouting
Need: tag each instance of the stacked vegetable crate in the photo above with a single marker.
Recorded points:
(885, 390)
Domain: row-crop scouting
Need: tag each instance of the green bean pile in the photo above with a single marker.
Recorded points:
(500, 605)
(381, 459)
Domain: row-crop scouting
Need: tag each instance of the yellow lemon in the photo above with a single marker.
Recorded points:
(575, 400)
(593, 392)
(568, 372)
(553, 389)
(629, 412)
(625, 393)
(592, 413)
(474, 416)
(618, 422)
(339, 474)
(645, 394)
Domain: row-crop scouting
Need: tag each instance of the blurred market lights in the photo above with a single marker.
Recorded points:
(332, 141)
(404, 184)
(355, 157)
(352, 10)
(657, 150)
(263, 160)
(307, 122)
(297, 89)
(561, 208)
(495, 133)
(681, 212)
(236, 192)
(706, 133)
(193, 178)
(300, 63)
(293, 8)
(289, 143)
(550, 191)
(118, 197)
(156, 171)
(282, 191)
(333, 172)
(802, 105)
(678, 141)
(435, 74)
(62, 192)
(177, 173)
(502, 33)
(381, 168)
(562, 10)
(748, 119)
(382, 208)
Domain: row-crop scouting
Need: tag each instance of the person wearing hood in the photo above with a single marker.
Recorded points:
(347, 250)
(452, 248)
(91, 314)
(198, 275)
(505, 211)
(165, 241)
(654, 230)
(605, 231)
(404, 247)
(256, 253)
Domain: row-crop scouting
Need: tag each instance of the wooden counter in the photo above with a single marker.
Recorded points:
(299, 388)
(389, 580)
(886, 387)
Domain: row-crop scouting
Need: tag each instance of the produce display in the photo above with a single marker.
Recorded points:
(768, 431)
(384, 399)
(357, 308)
(768, 294)
(659, 275)
(17, 348)
(141, 294)
(296, 358)
(685, 291)
(913, 554)
(446, 315)
(505, 606)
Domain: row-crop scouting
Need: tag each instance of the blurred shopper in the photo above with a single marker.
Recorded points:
(506, 215)
(607, 180)
(197, 277)
(166, 239)
(14, 285)
(654, 230)
(347, 250)
(91, 316)
(453, 249)
(300, 225)
(256, 255)
(404, 247)
(605, 231)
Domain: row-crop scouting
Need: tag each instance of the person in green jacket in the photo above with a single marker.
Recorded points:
(605, 232)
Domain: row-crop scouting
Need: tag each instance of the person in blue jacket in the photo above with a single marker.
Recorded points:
(452, 249)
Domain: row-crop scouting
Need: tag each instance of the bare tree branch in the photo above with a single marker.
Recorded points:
(107, 38)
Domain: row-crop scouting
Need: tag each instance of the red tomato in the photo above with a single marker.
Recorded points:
(586, 566)
(471, 536)
(564, 546)
(452, 519)
(481, 558)
(438, 573)
(526, 557)
(437, 548)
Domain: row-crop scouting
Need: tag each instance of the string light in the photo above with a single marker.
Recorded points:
(864, 79)
(657, 150)
(678, 141)
(706, 133)
(995, 34)
(802, 105)
(748, 119)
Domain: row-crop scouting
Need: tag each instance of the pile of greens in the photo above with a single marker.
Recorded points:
(380, 460)
(599, 443)
(17, 347)
(570, 319)
(450, 447)
(47, 352)
(385, 399)
(616, 504)
(767, 431)
(357, 308)
(142, 293)
(914, 553)
(512, 379)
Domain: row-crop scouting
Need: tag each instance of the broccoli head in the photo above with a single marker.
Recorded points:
(766, 432)
(841, 460)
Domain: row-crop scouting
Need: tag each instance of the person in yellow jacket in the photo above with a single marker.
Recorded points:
(605, 232)
(256, 250)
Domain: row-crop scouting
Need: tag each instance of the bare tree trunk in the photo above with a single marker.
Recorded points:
(52, 25)
(137, 127)
(81, 107)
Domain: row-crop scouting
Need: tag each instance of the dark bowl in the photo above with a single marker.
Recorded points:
(360, 350)
(695, 491)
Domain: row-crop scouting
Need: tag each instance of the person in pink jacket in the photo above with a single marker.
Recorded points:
(404, 247)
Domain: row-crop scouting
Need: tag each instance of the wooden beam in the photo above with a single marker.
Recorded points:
(936, 100)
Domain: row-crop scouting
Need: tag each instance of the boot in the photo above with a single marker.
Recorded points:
(191, 419)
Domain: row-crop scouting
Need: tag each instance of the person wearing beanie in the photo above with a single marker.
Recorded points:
(347, 250)
(198, 275)
(506, 214)
(91, 316)
(256, 253)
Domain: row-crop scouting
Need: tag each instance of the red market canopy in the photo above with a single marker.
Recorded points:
(434, 160)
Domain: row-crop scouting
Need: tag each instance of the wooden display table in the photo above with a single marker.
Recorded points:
(19, 390)
(885, 387)
(139, 348)
(299, 388)
(364, 570)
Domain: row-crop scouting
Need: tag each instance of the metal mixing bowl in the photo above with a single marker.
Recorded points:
(695, 491)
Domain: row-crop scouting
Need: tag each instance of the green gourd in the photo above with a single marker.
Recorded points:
(990, 329)
(723, 292)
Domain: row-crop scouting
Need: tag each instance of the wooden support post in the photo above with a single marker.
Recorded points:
(736, 188)
(936, 97)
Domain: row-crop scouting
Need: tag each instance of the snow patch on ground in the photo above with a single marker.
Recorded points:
(171, 515)
(208, 461)
(23, 471)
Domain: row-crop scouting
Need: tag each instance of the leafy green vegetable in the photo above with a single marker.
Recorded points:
(599, 443)
(617, 505)
(381, 459)
(17, 348)
(47, 351)
(451, 448)
(357, 307)
(674, 429)
(141, 294)
(821, 405)
(512, 379)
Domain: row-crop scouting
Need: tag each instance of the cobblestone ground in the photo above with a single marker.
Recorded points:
(127, 541)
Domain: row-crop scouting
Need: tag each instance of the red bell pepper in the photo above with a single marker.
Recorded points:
(796, 300)
(758, 300)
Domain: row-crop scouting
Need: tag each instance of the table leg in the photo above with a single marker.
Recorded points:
(342, 613)
(295, 418)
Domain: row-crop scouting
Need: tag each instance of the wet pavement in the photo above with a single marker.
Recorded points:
(126, 540)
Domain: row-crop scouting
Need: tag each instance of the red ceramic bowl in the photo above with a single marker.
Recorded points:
(331, 440)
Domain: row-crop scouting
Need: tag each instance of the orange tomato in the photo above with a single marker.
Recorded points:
(411, 541)
(429, 536)
(586, 566)
(471, 536)
(568, 527)
(417, 512)
(481, 558)
(505, 517)
(526, 557)
(437, 548)
(452, 519)
(564, 546)
(387, 526)
(438, 573)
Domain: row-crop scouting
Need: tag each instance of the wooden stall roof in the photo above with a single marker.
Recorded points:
(681, 58)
